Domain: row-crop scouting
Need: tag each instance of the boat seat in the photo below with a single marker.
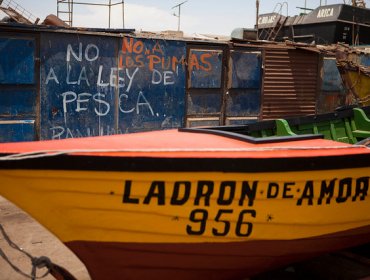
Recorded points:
(283, 128)
(361, 124)
(361, 133)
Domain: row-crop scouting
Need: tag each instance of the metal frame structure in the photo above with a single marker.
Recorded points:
(17, 12)
(65, 7)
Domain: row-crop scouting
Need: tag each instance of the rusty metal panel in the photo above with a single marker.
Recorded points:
(240, 120)
(290, 83)
(328, 102)
(332, 90)
(194, 122)
(332, 81)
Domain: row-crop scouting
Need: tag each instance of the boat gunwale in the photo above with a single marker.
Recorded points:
(109, 163)
(339, 113)
(250, 139)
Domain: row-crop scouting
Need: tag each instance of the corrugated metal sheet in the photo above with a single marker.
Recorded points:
(290, 83)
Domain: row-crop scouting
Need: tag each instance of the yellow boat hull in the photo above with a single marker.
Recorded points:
(169, 220)
(175, 207)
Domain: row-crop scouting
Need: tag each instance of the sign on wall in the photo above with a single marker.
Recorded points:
(96, 85)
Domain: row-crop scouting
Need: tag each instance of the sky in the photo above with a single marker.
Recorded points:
(216, 17)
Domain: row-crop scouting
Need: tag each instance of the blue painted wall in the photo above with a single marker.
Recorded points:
(17, 61)
(244, 97)
(205, 68)
(152, 95)
(17, 131)
(56, 85)
(246, 69)
(204, 92)
(78, 85)
(96, 85)
(18, 89)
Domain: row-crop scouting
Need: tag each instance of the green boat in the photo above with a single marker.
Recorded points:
(348, 125)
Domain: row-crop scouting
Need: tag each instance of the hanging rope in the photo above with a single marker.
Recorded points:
(58, 272)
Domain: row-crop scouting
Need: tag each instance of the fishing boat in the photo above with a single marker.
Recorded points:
(355, 77)
(193, 203)
(324, 25)
(348, 125)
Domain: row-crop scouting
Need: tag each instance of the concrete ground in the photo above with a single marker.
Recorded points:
(36, 240)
